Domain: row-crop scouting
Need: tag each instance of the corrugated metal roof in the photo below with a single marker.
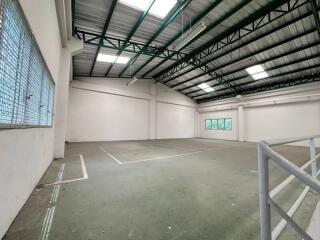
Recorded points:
(91, 16)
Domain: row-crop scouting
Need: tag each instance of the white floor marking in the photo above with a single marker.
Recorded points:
(84, 173)
(110, 155)
(47, 222)
(164, 157)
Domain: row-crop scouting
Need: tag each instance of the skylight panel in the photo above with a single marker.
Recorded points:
(260, 75)
(112, 58)
(203, 85)
(160, 8)
(254, 69)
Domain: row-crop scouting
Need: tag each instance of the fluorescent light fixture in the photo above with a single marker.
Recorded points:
(260, 75)
(203, 85)
(112, 58)
(209, 89)
(254, 69)
(134, 79)
(195, 32)
(160, 8)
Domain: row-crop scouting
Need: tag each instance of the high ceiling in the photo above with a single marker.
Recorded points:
(281, 35)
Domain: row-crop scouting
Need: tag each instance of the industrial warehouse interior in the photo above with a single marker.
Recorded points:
(159, 119)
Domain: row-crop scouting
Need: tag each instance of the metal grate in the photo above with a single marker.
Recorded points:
(26, 86)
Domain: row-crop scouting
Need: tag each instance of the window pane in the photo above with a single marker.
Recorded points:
(228, 123)
(26, 86)
(214, 124)
(221, 124)
(208, 124)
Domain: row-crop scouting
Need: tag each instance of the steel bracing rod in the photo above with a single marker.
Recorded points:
(177, 36)
(304, 47)
(132, 32)
(271, 77)
(104, 30)
(210, 27)
(267, 69)
(280, 27)
(247, 24)
(314, 8)
(267, 87)
(173, 16)
(133, 47)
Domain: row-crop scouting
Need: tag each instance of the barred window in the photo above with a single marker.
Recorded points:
(26, 85)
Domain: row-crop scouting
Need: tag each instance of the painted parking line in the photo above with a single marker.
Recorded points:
(84, 174)
(110, 155)
(48, 219)
(164, 157)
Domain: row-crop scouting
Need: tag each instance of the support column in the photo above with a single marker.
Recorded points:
(240, 124)
(153, 111)
(62, 95)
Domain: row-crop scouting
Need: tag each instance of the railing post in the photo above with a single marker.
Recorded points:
(265, 222)
(312, 146)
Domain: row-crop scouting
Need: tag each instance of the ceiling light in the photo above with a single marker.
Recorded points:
(133, 80)
(160, 8)
(254, 69)
(209, 89)
(203, 85)
(112, 58)
(195, 32)
(260, 75)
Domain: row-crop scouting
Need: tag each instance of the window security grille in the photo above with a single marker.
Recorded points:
(26, 86)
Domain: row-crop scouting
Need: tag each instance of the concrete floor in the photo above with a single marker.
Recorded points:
(175, 189)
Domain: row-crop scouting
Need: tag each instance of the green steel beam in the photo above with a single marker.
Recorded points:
(193, 22)
(295, 50)
(175, 38)
(132, 32)
(270, 77)
(273, 30)
(173, 16)
(257, 14)
(104, 30)
(314, 8)
(249, 55)
(269, 86)
(73, 12)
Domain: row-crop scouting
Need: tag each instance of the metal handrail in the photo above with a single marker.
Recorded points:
(264, 154)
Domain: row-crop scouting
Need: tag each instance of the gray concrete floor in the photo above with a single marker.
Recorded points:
(209, 191)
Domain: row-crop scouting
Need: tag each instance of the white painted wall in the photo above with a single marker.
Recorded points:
(108, 109)
(26, 154)
(291, 112)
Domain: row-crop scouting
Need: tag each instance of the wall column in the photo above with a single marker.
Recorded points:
(240, 124)
(152, 111)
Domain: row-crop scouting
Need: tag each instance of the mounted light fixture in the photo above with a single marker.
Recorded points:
(195, 32)
(112, 58)
(205, 87)
(257, 72)
(160, 8)
(134, 79)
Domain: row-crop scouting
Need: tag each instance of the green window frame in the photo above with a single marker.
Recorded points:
(207, 124)
(228, 123)
(221, 125)
(214, 124)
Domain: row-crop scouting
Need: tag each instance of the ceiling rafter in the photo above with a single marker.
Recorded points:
(267, 12)
(173, 16)
(211, 26)
(304, 47)
(314, 8)
(252, 54)
(104, 30)
(280, 27)
(310, 78)
(132, 32)
(270, 77)
(176, 37)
